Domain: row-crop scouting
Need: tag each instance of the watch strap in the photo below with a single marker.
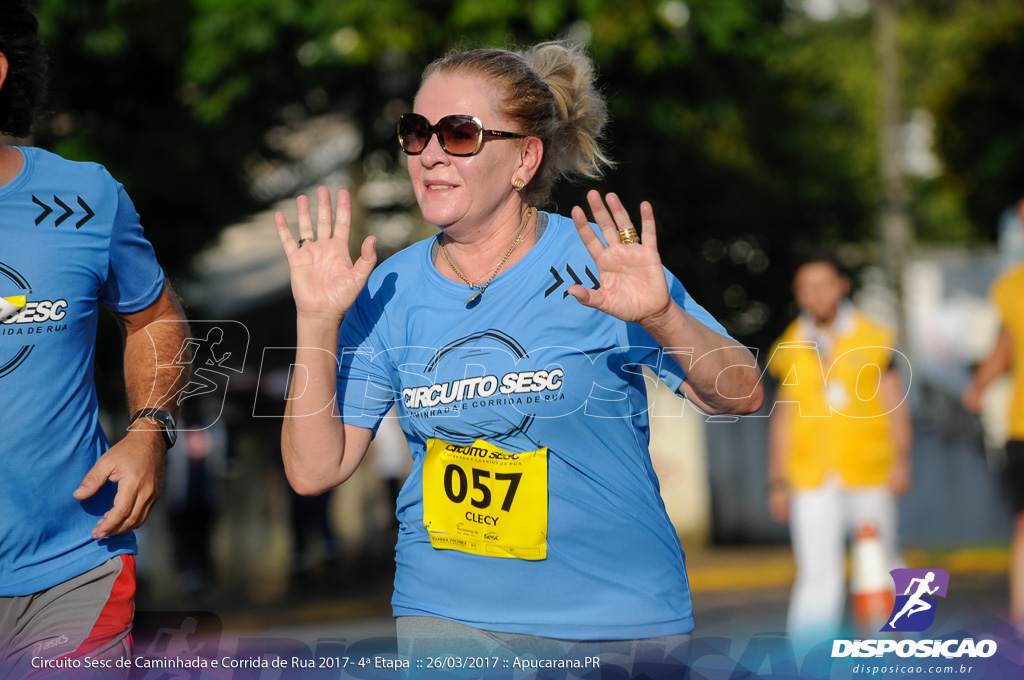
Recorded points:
(164, 420)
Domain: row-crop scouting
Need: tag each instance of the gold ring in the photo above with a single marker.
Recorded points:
(303, 241)
(629, 236)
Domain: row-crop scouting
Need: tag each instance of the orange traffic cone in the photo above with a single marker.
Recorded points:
(871, 590)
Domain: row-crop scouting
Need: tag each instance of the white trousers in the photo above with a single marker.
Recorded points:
(820, 521)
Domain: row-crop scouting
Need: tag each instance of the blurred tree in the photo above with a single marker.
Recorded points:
(979, 108)
(742, 151)
(748, 124)
(118, 97)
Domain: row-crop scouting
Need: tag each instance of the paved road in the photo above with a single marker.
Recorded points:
(740, 598)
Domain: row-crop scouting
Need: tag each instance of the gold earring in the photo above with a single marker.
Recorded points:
(519, 184)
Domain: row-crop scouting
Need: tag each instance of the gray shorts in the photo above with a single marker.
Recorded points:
(441, 648)
(84, 622)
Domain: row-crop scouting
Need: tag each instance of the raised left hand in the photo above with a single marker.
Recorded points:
(633, 285)
(136, 463)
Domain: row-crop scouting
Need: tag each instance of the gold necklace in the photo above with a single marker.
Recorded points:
(480, 287)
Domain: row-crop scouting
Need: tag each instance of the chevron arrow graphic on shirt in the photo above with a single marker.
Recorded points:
(89, 214)
(558, 282)
(46, 210)
(68, 212)
(575, 278)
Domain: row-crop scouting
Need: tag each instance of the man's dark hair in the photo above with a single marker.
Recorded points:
(820, 257)
(22, 92)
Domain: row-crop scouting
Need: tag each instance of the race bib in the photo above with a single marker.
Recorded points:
(486, 501)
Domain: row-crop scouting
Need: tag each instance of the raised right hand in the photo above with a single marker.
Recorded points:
(325, 281)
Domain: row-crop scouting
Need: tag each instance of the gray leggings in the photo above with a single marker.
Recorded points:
(449, 649)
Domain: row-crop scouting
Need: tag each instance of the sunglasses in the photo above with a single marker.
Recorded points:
(458, 135)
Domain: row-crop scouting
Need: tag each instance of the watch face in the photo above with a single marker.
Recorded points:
(170, 434)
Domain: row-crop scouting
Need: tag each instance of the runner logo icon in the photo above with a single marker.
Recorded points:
(916, 589)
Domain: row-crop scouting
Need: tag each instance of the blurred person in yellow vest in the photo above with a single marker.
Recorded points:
(1008, 356)
(839, 441)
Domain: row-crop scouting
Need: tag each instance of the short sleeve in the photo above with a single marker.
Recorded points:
(134, 277)
(366, 373)
(644, 350)
(1002, 295)
(774, 368)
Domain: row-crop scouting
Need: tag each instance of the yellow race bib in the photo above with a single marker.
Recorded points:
(482, 500)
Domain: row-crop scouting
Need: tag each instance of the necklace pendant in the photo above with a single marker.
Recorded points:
(480, 287)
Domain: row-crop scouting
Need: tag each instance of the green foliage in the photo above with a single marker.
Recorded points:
(751, 128)
(119, 98)
(980, 107)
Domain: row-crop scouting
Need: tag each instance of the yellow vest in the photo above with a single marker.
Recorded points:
(839, 423)
(1008, 295)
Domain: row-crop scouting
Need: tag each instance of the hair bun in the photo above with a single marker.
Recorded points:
(569, 73)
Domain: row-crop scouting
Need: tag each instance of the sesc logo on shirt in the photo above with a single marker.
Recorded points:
(9, 306)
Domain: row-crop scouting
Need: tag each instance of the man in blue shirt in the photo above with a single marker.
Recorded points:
(71, 240)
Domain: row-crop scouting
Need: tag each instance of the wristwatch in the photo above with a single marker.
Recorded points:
(164, 421)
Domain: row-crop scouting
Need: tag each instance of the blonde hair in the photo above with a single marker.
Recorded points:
(550, 93)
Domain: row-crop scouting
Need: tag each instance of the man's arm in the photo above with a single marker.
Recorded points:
(994, 365)
(136, 463)
(779, 427)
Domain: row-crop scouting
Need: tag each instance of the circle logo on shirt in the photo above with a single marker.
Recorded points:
(14, 291)
(499, 348)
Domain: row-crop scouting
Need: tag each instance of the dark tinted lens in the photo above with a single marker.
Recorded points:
(461, 135)
(413, 132)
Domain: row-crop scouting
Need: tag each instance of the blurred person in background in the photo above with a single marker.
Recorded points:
(197, 465)
(1011, 235)
(68, 501)
(532, 518)
(316, 549)
(1007, 356)
(391, 459)
(839, 442)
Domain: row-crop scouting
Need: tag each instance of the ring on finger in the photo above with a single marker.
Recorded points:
(629, 235)
(303, 241)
